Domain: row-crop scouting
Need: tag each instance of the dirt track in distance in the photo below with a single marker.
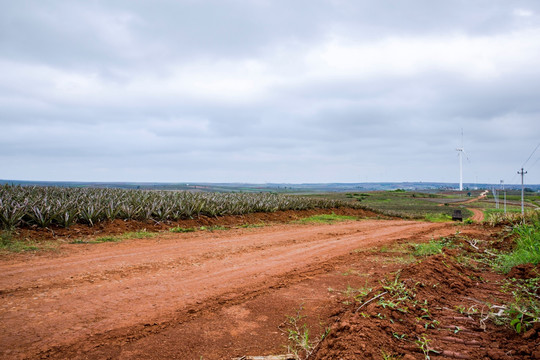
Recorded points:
(478, 215)
(125, 300)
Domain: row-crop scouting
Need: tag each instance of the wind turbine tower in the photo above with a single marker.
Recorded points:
(461, 152)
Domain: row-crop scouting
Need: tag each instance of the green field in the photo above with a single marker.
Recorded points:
(514, 196)
(60, 206)
(407, 204)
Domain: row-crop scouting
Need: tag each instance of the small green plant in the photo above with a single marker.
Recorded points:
(397, 295)
(466, 311)
(179, 229)
(432, 324)
(423, 344)
(358, 294)
(524, 310)
(298, 335)
(432, 248)
(387, 356)
(397, 288)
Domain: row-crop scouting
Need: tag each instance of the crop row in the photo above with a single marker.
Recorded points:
(45, 206)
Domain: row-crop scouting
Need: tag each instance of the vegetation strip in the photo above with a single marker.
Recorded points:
(46, 206)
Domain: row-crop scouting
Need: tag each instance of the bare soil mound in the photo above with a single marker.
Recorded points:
(437, 308)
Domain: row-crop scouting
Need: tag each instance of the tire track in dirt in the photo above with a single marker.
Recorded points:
(109, 287)
(478, 215)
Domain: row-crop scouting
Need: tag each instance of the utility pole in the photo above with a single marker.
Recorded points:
(504, 192)
(522, 189)
(494, 191)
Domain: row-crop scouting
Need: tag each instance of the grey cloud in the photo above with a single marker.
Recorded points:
(226, 91)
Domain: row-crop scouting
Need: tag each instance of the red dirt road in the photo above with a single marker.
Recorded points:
(86, 297)
(478, 215)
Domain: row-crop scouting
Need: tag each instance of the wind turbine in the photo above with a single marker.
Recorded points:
(461, 152)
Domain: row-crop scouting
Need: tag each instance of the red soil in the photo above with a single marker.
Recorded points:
(452, 311)
(217, 295)
(478, 215)
(117, 227)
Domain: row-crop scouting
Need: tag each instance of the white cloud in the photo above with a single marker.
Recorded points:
(479, 57)
(523, 13)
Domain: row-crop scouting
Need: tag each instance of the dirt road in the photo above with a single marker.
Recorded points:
(87, 298)
(478, 215)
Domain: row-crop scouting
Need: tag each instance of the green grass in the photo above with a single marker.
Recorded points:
(106, 239)
(406, 204)
(515, 195)
(143, 234)
(179, 229)
(326, 218)
(431, 248)
(440, 217)
(99, 240)
(527, 248)
(213, 228)
(248, 226)
(9, 243)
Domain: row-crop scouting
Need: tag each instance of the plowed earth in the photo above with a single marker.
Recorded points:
(201, 295)
(451, 315)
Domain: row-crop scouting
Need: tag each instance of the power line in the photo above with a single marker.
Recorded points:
(535, 162)
(526, 161)
(530, 156)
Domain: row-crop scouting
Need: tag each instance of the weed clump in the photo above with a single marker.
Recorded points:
(524, 311)
(527, 249)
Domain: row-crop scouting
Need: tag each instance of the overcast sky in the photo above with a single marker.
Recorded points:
(269, 90)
